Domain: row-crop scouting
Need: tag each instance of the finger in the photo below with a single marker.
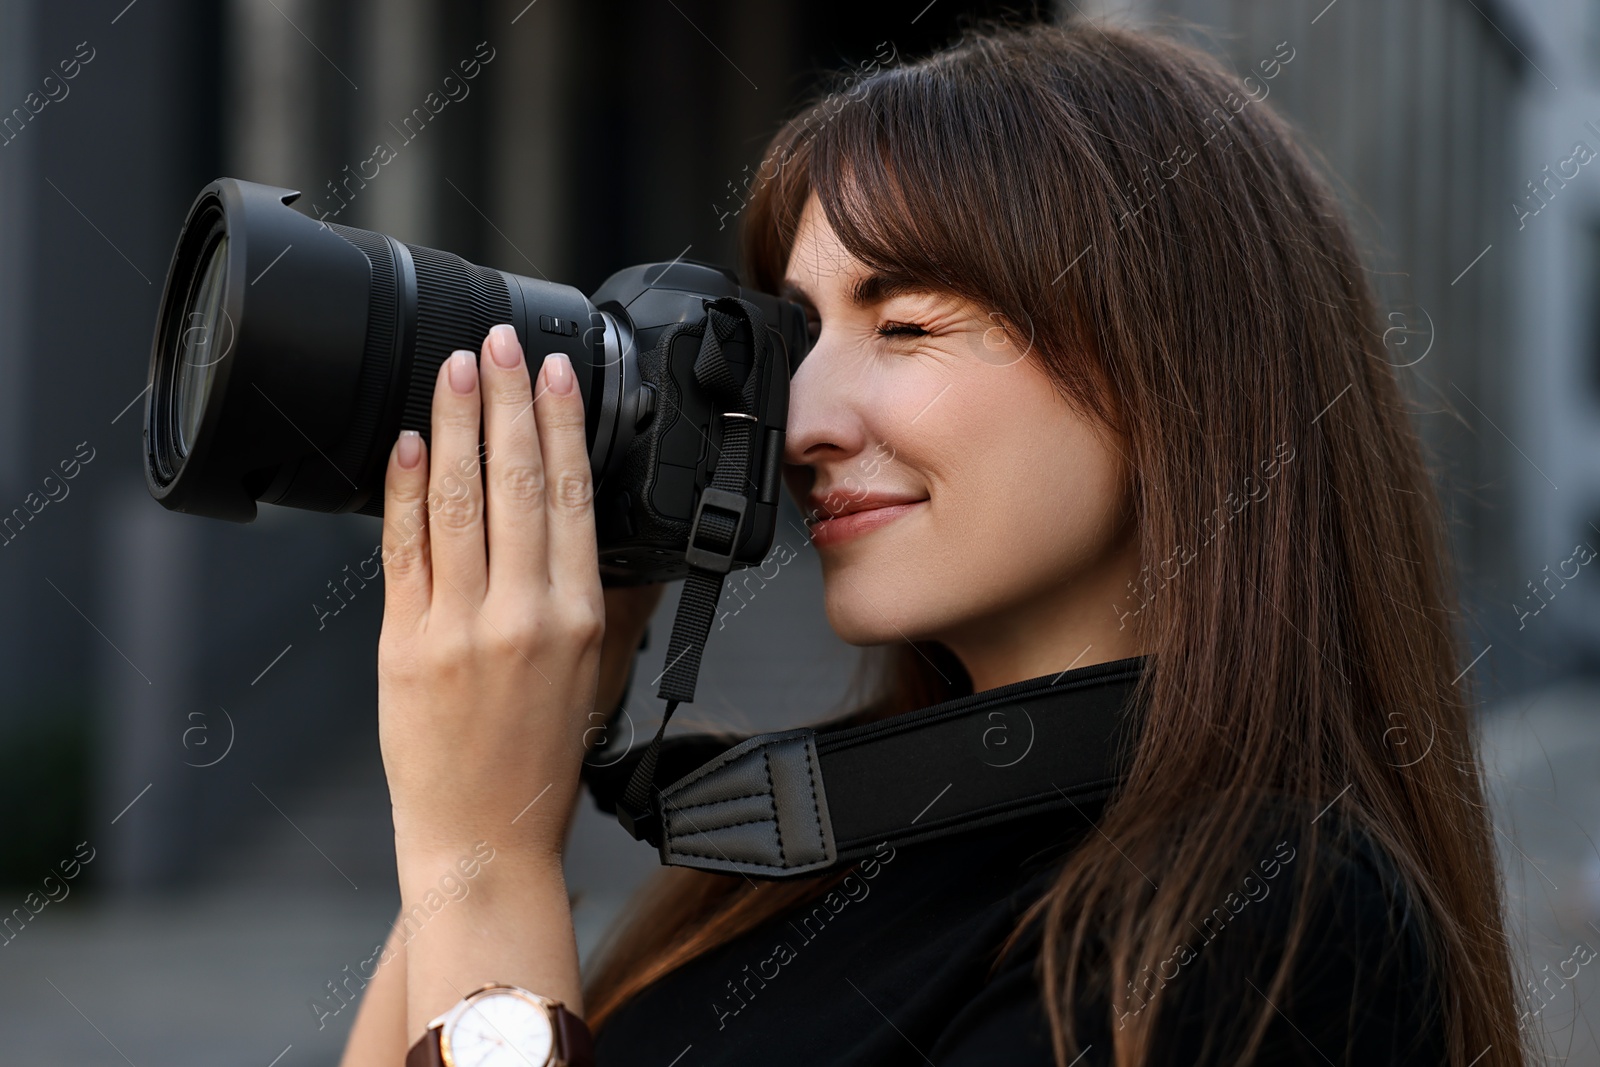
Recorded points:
(569, 500)
(514, 471)
(407, 581)
(455, 485)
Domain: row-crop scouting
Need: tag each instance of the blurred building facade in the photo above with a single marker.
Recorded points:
(197, 699)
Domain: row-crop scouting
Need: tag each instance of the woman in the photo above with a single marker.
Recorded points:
(1104, 337)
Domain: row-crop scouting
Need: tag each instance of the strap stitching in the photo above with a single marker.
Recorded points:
(725, 859)
(725, 826)
(816, 811)
(724, 800)
(777, 827)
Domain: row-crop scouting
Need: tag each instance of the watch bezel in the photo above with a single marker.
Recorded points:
(453, 1016)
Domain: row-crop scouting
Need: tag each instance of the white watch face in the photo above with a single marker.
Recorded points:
(499, 1029)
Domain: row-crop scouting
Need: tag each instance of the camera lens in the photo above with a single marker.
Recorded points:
(290, 352)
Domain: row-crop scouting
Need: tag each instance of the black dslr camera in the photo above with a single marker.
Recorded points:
(289, 353)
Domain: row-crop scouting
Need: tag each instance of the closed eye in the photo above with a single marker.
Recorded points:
(886, 329)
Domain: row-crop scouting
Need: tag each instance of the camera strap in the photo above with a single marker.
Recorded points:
(714, 531)
(804, 801)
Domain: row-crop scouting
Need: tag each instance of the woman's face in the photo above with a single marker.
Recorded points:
(988, 513)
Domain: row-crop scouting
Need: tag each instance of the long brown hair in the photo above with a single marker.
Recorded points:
(1184, 272)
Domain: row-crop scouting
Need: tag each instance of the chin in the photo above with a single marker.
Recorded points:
(858, 632)
(865, 612)
(852, 616)
(856, 623)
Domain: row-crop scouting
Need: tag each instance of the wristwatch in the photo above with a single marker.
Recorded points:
(504, 1026)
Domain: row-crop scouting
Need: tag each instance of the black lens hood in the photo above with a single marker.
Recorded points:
(296, 361)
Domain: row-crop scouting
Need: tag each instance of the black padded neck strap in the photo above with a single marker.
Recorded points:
(804, 801)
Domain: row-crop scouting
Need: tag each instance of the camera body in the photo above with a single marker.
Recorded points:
(668, 443)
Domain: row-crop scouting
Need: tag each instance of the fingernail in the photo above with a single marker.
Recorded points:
(463, 371)
(558, 373)
(503, 346)
(410, 448)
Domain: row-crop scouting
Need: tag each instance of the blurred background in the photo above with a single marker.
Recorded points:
(188, 707)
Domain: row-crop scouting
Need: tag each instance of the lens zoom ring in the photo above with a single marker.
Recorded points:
(457, 302)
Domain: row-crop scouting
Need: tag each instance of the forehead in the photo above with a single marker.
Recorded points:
(821, 268)
(818, 256)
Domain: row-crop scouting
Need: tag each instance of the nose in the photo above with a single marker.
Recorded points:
(825, 414)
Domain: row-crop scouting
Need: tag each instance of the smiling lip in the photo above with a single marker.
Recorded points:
(857, 516)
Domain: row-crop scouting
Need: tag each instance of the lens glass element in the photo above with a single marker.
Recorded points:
(201, 345)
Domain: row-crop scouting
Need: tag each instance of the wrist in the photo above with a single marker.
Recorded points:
(514, 926)
(457, 871)
(529, 818)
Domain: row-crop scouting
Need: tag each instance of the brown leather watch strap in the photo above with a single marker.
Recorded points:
(425, 1053)
(574, 1044)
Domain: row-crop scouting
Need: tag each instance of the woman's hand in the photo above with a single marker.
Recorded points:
(493, 613)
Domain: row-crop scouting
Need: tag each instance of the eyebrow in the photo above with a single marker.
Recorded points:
(868, 290)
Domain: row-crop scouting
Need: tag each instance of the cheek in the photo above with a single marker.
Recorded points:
(914, 433)
(1025, 494)
(1077, 493)
(916, 404)
(1081, 474)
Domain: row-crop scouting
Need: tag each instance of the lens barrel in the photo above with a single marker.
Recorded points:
(289, 353)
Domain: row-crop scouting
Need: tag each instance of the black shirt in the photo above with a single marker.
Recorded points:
(892, 967)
